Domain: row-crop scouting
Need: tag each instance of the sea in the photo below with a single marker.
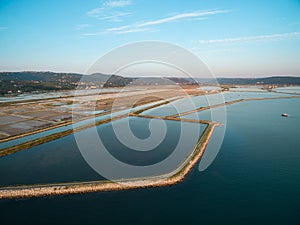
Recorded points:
(254, 179)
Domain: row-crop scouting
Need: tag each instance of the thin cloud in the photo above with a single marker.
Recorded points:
(108, 11)
(132, 31)
(119, 31)
(82, 26)
(92, 34)
(115, 29)
(117, 3)
(260, 38)
(196, 15)
(3, 28)
(181, 16)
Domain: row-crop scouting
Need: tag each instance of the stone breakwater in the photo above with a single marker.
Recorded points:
(95, 186)
(171, 178)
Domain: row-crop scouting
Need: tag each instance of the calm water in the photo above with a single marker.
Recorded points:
(60, 160)
(71, 126)
(183, 105)
(255, 179)
(292, 89)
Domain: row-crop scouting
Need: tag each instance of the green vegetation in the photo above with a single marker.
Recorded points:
(117, 81)
(18, 87)
(14, 83)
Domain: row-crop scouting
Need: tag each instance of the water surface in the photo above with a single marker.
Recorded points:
(255, 179)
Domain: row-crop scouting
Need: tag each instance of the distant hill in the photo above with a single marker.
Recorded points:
(158, 80)
(117, 81)
(52, 77)
(276, 80)
(39, 76)
(31, 81)
(95, 77)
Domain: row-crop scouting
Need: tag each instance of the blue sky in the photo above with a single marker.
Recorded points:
(234, 38)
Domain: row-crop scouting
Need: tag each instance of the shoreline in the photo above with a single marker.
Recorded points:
(176, 117)
(28, 144)
(66, 123)
(228, 103)
(104, 103)
(174, 177)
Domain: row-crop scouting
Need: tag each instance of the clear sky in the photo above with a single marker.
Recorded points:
(235, 38)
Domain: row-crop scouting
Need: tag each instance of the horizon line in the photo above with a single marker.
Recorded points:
(78, 73)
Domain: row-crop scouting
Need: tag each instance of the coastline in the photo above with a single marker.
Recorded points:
(177, 175)
(28, 144)
(174, 177)
(176, 117)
